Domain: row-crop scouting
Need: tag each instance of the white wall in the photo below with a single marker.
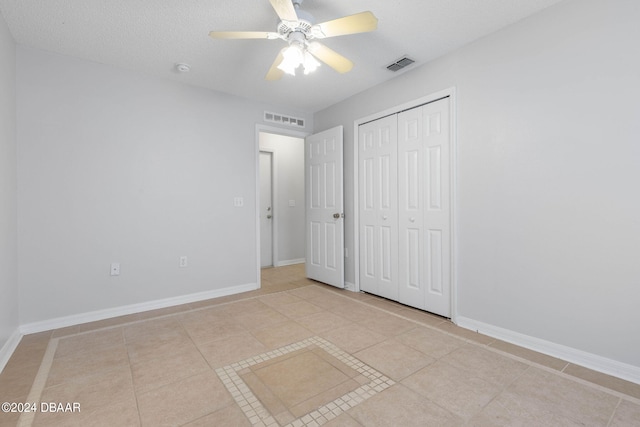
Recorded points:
(549, 165)
(289, 155)
(117, 166)
(8, 201)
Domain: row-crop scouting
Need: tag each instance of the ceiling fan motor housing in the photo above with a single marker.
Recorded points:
(297, 37)
(303, 26)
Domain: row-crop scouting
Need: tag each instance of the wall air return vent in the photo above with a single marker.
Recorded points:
(401, 63)
(283, 119)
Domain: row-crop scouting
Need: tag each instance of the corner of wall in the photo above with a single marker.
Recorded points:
(9, 347)
(9, 316)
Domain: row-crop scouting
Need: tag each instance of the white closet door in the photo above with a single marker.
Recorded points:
(411, 188)
(405, 207)
(378, 183)
(437, 212)
(424, 204)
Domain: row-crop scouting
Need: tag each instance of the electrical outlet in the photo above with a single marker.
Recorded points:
(115, 268)
(183, 261)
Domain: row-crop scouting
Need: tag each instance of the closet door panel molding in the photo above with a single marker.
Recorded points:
(378, 213)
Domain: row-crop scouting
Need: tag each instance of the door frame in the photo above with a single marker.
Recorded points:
(451, 94)
(261, 128)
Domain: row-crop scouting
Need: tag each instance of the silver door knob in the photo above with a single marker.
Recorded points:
(384, 217)
(412, 219)
(336, 215)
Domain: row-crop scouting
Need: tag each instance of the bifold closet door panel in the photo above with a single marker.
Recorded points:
(378, 183)
(437, 212)
(411, 189)
(424, 203)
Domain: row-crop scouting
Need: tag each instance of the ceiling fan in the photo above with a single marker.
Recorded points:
(297, 28)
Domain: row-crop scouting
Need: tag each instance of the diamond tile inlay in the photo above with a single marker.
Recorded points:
(258, 415)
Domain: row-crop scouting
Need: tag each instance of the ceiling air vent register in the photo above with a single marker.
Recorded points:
(401, 63)
(284, 120)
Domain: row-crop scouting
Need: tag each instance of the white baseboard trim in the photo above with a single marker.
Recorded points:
(9, 347)
(572, 355)
(290, 262)
(77, 319)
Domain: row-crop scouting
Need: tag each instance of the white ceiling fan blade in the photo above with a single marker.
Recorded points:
(243, 35)
(275, 73)
(359, 23)
(285, 10)
(330, 57)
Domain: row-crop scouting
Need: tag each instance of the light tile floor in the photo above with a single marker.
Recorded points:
(300, 353)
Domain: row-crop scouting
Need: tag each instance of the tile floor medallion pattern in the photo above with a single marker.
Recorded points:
(232, 377)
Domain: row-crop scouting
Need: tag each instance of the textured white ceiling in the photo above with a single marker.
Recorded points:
(151, 36)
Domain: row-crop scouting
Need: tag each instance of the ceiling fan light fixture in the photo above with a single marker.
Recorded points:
(296, 55)
(310, 63)
(293, 56)
(299, 29)
(288, 68)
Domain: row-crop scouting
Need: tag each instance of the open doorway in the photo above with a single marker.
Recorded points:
(281, 215)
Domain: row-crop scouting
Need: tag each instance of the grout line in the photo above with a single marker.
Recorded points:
(26, 418)
(133, 386)
(614, 413)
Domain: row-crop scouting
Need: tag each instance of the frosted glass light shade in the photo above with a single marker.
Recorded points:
(310, 63)
(296, 55)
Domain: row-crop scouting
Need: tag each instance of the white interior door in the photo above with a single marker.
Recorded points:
(378, 183)
(411, 164)
(324, 207)
(266, 209)
(437, 203)
(424, 203)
